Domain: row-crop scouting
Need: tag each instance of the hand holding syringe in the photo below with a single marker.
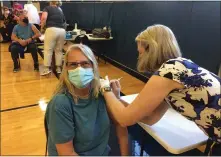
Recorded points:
(114, 84)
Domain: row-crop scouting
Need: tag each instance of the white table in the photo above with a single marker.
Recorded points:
(173, 131)
(90, 37)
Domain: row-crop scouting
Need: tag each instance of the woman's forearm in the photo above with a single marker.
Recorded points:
(14, 38)
(117, 109)
(42, 24)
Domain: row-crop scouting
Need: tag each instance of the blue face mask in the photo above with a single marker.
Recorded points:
(81, 77)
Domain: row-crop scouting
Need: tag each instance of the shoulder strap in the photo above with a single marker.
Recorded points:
(46, 127)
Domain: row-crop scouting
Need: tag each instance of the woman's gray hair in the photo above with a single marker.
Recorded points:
(65, 84)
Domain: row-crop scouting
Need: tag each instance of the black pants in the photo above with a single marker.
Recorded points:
(37, 26)
(212, 149)
(7, 32)
(16, 48)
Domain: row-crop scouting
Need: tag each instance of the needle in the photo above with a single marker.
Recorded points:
(119, 78)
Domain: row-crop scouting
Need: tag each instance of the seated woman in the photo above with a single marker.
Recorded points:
(76, 119)
(7, 25)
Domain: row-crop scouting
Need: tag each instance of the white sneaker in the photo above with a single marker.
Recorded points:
(58, 70)
(45, 72)
(25, 49)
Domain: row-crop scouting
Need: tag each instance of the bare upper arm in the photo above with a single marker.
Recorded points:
(35, 30)
(66, 148)
(44, 16)
(14, 37)
(151, 96)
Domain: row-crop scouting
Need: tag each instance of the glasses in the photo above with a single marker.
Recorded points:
(83, 64)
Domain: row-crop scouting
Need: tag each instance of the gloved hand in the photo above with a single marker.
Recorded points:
(113, 84)
(104, 82)
(116, 88)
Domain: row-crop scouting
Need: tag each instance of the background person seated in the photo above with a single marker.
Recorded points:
(16, 8)
(7, 25)
(23, 37)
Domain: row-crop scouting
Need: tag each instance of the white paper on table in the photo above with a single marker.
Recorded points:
(173, 131)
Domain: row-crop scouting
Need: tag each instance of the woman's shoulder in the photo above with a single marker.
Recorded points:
(101, 97)
(47, 8)
(181, 64)
(16, 26)
(60, 101)
(188, 73)
(180, 60)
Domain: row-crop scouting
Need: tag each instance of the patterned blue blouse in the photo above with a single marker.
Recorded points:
(200, 99)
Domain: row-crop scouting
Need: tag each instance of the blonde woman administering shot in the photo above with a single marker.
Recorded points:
(190, 89)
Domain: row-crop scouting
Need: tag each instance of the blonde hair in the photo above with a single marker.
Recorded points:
(64, 83)
(57, 3)
(160, 45)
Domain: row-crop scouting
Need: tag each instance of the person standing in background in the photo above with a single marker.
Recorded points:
(54, 21)
(32, 14)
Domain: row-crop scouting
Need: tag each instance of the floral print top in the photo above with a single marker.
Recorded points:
(199, 100)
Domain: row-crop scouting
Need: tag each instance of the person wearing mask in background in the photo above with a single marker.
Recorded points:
(23, 37)
(188, 88)
(54, 20)
(16, 8)
(76, 118)
(7, 25)
(32, 14)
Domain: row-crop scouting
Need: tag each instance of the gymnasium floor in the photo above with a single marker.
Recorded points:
(22, 129)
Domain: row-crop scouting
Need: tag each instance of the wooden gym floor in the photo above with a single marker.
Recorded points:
(22, 113)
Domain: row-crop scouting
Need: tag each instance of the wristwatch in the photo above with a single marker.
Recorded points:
(105, 89)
